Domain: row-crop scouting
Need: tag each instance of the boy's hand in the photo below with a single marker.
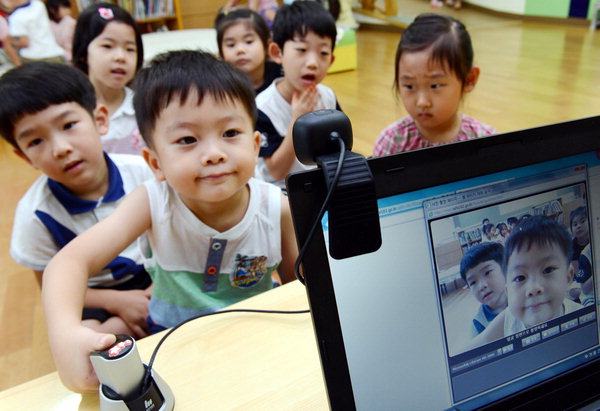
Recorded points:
(305, 101)
(132, 307)
(73, 358)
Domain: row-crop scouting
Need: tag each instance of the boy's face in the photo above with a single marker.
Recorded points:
(580, 229)
(486, 282)
(536, 282)
(63, 142)
(305, 60)
(207, 152)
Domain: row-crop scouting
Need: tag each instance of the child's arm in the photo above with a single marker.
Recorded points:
(65, 284)
(130, 305)
(282, 159)
(19, 42)
(10, 51)
(494, 331)
(289, 249)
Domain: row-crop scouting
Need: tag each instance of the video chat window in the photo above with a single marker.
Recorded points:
(515, 273)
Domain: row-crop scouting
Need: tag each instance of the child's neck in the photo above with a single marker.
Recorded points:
(285, 89)
(222, 215)
(258, 76)
(110, 97)
(444, 133)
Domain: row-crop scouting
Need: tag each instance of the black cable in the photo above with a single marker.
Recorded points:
(334, 136)
(148, 374)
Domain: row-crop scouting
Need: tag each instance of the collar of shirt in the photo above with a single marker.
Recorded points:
(77, 205)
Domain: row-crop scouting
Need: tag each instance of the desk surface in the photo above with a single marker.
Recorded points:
(227, 361)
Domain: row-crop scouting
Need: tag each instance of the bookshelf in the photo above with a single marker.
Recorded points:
(150, 15)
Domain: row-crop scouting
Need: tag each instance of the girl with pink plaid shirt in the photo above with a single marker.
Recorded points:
(434, 69)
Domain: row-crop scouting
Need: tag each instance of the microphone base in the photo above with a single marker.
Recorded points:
(157, 397)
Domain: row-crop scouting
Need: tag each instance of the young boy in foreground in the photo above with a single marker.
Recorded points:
(48, 113)
(215, 233)
(304, 36)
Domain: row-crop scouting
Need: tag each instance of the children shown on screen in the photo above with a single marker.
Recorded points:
(481, 269)
(243, 39)
(433, 71)
(580, 230)
(108, 48)
(304, 36)
(215, 233)
(48, 113)
(62, 24)
(538, 273)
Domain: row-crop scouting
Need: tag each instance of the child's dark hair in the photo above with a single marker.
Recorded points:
(487, 227)
(300, 17)
(91, 23)
(482, 252)
(53, 6)
(500, 226)
(174, 75)
(580, 211)
(448, 38)
(33, 87)
(248, 17)
(539, 230)
(512, 220)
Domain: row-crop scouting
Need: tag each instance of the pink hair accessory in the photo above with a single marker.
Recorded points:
(106, 13)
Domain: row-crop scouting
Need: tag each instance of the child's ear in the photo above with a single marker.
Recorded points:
(153, 162)
(275, 52)
(101, 118)
(256, 143)
(471, 80)
(570, 273)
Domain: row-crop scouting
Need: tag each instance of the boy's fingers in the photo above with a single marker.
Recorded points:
(103, 341)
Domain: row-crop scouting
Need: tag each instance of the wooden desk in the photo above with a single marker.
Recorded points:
(227, 361)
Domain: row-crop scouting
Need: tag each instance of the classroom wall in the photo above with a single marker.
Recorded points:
(541, 8)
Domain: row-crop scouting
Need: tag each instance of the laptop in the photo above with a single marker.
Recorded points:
(394, 325)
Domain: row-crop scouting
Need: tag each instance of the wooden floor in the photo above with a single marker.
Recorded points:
(532, 74)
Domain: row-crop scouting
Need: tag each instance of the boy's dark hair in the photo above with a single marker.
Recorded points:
(480, 253)
(53, 5)
(449, 41)
(91, 23)
(512, 220)
(300, 17)
(539, 230)
(34, 87)
(580, 211)
(249, 17)
(174, 75)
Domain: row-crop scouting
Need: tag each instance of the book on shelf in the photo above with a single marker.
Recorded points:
(139, 9)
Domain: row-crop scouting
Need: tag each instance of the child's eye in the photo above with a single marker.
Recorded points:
(325, 53)
(231, 133)
(472, 283)
(34, 142)
(69, 125)
(131, 50)
(518, 278)
(408, 86)
(436, 86)
(549, 270)
(186, 140)
(300, 49)
(229, 45)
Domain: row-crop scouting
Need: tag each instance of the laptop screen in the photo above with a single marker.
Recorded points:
(418, 337)
(483, 287)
